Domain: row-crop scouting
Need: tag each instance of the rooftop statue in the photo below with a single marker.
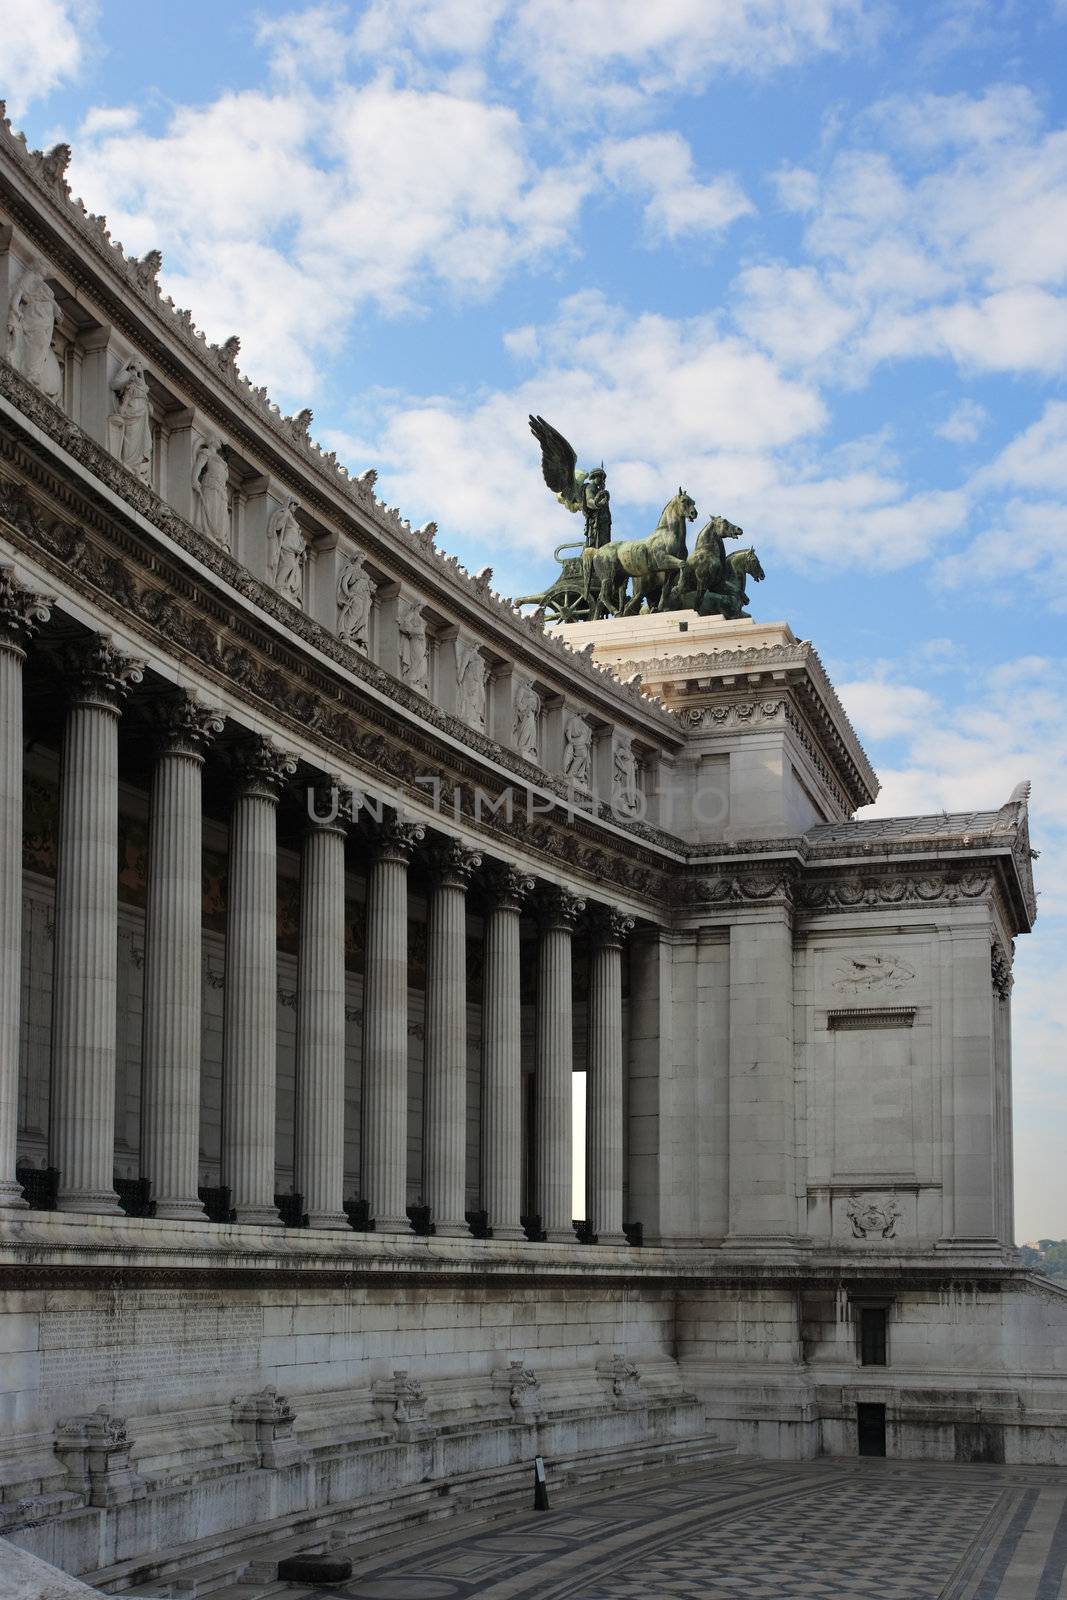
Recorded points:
(594, 580)
(577, 490)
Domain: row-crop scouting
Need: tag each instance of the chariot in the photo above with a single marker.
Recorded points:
(565, 599)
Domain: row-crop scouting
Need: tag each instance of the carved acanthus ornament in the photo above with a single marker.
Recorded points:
(260, 768)
(185, 726)
(22, 611)
(1000, 963)
(609, 926)
(452, 865)
(395, 840)
(507, 887)
(558, 908)
(98, 674)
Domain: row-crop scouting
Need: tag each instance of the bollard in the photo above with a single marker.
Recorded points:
(540, 1486)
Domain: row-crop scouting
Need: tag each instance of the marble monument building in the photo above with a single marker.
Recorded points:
(322, 871)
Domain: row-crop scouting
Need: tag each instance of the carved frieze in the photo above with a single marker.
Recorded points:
(871, 971)
(871, 1218)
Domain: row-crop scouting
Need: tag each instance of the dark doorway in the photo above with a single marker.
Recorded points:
(870, 1429)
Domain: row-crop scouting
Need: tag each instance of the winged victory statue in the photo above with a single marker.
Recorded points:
(594, 578)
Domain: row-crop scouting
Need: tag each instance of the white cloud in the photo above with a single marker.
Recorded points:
(282, 212)
(942, 231)
(42, 44)
(964, 423)
(661, 166)
(592, 55)
(1037, 459)
(1025, 543)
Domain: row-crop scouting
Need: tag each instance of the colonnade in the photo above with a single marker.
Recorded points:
(82, 1113)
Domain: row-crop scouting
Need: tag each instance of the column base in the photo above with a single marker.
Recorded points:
(328, 1219)
(452, 1230)
(258, 1217)
(506, 1233)
(611, 1238)
(560, 1236)
(90, 1202)
(12, 1197)
(392, 1225)
(180, 1211)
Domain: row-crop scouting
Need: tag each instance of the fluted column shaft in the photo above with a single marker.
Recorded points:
(604, 1120)
(84, 989)
(320, 1039)
(502, 1056)
(444, 1143)
(20, 613)
(385, 1031)
(170, 1102)
(249, 1057)
(555, 1065)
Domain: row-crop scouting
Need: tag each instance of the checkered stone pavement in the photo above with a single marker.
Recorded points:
(747, 1530)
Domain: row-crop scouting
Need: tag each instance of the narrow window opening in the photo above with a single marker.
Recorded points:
(872, 1336)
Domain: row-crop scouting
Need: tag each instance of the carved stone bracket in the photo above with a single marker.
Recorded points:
(266, 1419)
(403, 1404)
(95, 1449)
(1000, 963)
(523, 1388)
(624, 1376)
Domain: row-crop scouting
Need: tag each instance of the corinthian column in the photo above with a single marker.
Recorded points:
(84, 990)
(603, 1145)
(21, 613)
(320, 1007)
(444, 1142)
(559, 911)
(385, 1029)
(170, 1105)
(249, 1055)
(502, 1054)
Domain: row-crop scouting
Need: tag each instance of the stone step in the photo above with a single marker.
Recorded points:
(245, 1561)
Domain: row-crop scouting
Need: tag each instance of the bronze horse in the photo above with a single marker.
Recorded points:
(661, 557)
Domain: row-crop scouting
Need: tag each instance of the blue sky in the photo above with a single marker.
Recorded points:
(807, 257)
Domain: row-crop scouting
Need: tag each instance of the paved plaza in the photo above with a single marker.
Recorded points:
(827, 1530)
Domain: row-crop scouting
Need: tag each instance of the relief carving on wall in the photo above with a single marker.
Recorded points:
(871, 971)
(872, 1217)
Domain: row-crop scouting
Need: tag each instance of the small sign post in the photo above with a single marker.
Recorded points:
(540, 1486)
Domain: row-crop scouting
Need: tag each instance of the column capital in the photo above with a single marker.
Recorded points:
(329, 805)
(507, 888)
(452, 864)
(609, 926)
(184, 726)
(99, 674)
(22, 611)
(559, 908)
(260, 767)
(395, 840)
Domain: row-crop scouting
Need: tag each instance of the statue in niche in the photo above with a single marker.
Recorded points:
(527, 709)
(470, 683)
(211, 476)
(31, 323)
(414, 657)
(286, 554)
(130, 424)
(355, 596)
(625, 791)
(578, 752)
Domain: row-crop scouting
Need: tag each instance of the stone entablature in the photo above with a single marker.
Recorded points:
(290, 492)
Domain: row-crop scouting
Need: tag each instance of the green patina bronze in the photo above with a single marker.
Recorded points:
(595, 576)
